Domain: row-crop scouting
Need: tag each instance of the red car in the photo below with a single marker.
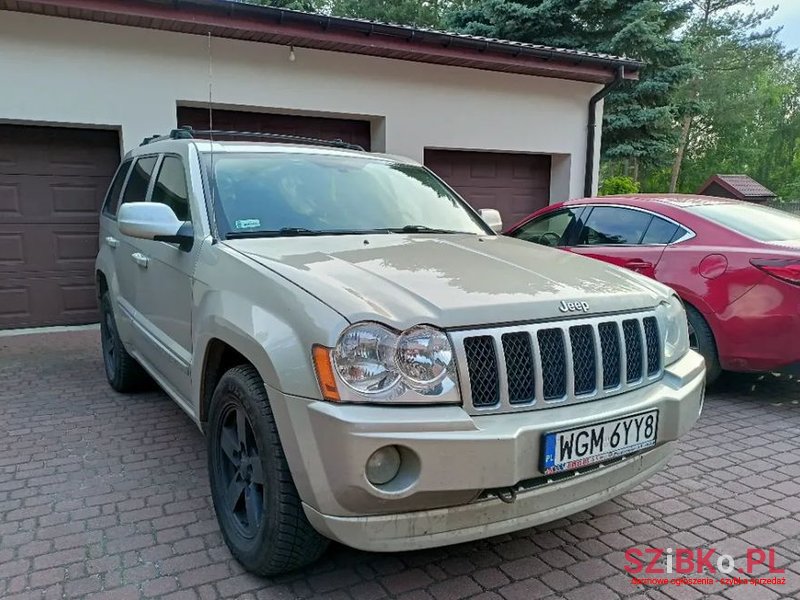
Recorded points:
(735, 264)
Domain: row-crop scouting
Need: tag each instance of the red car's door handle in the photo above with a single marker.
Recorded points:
(638, 264)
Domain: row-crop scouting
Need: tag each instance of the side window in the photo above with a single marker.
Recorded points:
(170, 187)
(660, 231)
(551, 230)
(680, 232)
(112, 196)
(139, 180)
(608, 226)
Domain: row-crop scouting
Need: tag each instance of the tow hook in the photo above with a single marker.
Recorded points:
(507, 495)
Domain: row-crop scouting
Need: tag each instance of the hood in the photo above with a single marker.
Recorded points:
(448, 280)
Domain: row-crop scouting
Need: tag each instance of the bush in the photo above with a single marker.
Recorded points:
(618, 185)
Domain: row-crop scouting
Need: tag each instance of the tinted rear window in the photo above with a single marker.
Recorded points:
(112, 197)
(757, 222)
(608, 225)
(139, 180)
(660, 231)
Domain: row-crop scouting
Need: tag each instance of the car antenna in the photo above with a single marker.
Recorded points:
(212, 183)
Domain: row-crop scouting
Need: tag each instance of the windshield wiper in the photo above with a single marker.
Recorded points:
(302, 231)
(288, 232)
(420, 229)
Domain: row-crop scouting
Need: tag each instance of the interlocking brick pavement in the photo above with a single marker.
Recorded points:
(105, 496)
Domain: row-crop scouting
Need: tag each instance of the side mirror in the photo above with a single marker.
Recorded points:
(154, 221)
(492, 218)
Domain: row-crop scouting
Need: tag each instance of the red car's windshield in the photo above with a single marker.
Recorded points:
(757, 222)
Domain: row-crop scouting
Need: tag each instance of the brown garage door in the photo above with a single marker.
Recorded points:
(514, 184)
(348, 130)
(52, 183)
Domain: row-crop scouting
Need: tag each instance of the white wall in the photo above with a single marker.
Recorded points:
(73, 72)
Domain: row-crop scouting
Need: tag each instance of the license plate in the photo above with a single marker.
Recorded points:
(575, 448)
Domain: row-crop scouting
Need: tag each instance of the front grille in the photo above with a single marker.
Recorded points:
(653, 349)
(612, 354)
(554, 363)
(482, 365)
(583, 359)
(535, 366)
(519, 365)
(633, 348)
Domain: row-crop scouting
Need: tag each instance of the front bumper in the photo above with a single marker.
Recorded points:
(455, 459)
(486, 518)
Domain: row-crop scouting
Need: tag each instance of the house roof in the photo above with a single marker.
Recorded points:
(256, 23)
(742, 187)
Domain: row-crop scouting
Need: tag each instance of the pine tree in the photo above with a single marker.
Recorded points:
(417, 13)
(638, 116)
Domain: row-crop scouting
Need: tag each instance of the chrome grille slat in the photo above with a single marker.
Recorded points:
(536, 366)
(598, 357)
(502, 373)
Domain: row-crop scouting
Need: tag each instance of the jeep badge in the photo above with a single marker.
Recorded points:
(573, 306)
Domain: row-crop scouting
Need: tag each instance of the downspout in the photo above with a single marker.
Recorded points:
(588, 179)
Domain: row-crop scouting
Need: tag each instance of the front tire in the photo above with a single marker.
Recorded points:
(701, 339)
(257, 505)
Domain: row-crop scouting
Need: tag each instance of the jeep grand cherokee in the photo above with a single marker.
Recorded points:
(369, 361)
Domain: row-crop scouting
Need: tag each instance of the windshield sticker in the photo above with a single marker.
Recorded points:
(248, 223)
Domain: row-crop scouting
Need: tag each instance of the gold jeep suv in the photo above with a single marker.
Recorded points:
(369, 361)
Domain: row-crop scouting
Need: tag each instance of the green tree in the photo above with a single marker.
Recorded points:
(728, 44)
(618, 184)
(418, 13)
(752, 126)
(305, 5)
(638, 116)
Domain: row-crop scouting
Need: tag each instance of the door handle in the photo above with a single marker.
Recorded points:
(140, 259)
(638, 264)
(112, 242)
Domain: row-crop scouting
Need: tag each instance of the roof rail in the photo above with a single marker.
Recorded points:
(182, 133)
(186, 132)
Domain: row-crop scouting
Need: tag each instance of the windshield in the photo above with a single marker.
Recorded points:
(309, 194)
(757, 222)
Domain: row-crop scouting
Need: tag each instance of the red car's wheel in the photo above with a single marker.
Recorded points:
(701, 339)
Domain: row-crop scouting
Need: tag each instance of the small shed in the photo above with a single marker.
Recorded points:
(738, 187)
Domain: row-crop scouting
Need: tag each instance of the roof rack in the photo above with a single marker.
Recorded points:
(186, 133)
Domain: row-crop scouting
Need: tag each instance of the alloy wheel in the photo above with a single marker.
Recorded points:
(108, 343)
(240, 472)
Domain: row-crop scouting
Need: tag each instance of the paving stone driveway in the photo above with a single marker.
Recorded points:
(105, 496)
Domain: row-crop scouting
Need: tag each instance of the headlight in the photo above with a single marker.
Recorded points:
(376, 364)
(364, 358)
(424, 356)
(676, 329)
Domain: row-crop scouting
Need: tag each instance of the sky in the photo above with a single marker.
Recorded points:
(788, 16)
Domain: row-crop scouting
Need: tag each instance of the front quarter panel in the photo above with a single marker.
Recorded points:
(268, 319)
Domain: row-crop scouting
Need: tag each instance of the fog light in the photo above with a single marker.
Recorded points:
(383, 465)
